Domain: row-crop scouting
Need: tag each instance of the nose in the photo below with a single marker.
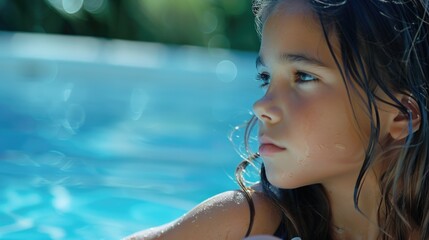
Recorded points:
(266, 110)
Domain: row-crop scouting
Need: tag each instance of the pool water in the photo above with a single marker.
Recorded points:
(102, 138)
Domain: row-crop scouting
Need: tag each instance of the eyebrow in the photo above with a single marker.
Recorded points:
(293, 58)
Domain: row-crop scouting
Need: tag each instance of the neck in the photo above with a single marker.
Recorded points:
(350, 223)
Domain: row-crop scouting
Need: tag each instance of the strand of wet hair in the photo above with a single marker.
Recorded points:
(247, 191)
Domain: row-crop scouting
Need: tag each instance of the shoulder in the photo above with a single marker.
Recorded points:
(224, 216)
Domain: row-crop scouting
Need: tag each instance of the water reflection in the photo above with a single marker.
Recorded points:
(103, 137)
(138, 101)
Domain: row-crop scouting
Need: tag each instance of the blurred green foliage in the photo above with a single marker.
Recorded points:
(209, 23)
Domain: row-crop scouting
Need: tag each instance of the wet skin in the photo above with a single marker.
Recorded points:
(308, 131)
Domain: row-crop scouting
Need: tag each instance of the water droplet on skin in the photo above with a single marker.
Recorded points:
(322, 146)
(307, 151)
(340, 147)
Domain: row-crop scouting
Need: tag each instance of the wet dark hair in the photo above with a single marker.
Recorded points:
(385, 46)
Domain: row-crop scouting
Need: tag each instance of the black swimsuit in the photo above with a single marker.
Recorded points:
(280, 231)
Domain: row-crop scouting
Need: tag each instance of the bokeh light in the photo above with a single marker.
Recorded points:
(214, 24)
(226, 71)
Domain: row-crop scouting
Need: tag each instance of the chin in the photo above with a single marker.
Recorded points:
(285, 182)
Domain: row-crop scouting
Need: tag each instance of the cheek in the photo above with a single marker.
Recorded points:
(328, 133)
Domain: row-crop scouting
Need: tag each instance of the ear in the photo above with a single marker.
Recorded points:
(399, 128)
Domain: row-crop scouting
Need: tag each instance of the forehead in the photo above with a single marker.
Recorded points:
(288, 14)
(293, 27)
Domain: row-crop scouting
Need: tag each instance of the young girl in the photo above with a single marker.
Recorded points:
(343, 127)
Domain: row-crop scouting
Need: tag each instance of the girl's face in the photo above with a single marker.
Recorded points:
(307, 128)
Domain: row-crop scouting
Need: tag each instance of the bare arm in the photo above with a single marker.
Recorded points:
(224, 216)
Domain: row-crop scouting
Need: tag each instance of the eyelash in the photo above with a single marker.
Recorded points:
(265, 78)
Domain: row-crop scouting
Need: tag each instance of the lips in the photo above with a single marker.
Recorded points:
(268, 147)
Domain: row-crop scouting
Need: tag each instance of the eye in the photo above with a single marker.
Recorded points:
(264, 78)
(302, 77)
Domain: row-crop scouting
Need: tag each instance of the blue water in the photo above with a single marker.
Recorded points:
(102, 138)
